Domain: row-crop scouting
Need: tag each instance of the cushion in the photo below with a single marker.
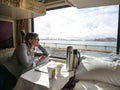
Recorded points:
(5, 54)
(4, 57)
(92, 68)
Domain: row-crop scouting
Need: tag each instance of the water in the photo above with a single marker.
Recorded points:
(97, 45)
(80, 42)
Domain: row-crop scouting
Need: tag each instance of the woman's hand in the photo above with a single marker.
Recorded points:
(42, 57)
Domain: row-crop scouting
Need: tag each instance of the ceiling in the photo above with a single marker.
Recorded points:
(79, 3)
(92, 3)
(38, 9)
(54, 3)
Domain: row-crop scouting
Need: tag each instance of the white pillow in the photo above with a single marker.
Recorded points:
(92, 68)
(4, 57)
(94, 85)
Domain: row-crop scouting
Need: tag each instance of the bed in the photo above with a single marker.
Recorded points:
(98, 73)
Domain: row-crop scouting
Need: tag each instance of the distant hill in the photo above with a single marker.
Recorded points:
(103, 39)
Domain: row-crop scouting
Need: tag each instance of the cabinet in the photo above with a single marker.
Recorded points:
(21, 9)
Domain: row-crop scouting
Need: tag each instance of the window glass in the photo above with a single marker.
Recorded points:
(93, 31)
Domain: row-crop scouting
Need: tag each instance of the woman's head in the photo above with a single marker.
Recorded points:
(32, 39)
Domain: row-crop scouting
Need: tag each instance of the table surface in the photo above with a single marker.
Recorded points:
(39, 80)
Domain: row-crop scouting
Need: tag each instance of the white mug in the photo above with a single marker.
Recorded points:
(58, 69)
(51, 71)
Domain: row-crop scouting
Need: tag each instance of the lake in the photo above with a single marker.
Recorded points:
(94, 45)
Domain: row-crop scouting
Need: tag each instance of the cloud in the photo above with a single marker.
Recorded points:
(82, 23)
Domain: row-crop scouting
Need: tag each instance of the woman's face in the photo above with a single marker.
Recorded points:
(33, 42)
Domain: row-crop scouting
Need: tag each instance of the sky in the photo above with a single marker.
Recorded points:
(73, 23)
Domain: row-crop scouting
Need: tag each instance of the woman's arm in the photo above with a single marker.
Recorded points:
(43, 50)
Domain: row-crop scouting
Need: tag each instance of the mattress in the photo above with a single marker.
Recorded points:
(98, 74)
(94, 85)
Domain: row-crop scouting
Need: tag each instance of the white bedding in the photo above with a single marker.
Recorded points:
(94, 85)
(97, 74)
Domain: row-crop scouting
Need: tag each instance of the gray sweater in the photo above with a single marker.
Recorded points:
(21, 61)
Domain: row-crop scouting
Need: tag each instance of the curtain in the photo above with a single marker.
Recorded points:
(21, 30)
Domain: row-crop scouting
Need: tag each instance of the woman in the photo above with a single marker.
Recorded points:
(21, 61)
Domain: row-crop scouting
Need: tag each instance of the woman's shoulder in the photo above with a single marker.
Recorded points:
(22, 45)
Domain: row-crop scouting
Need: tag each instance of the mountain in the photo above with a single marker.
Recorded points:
(103, 39)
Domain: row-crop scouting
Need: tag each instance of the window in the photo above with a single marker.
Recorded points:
(91, 30)
(6, 34)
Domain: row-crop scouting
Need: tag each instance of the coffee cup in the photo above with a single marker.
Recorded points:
(58, 69)
(51, 71)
